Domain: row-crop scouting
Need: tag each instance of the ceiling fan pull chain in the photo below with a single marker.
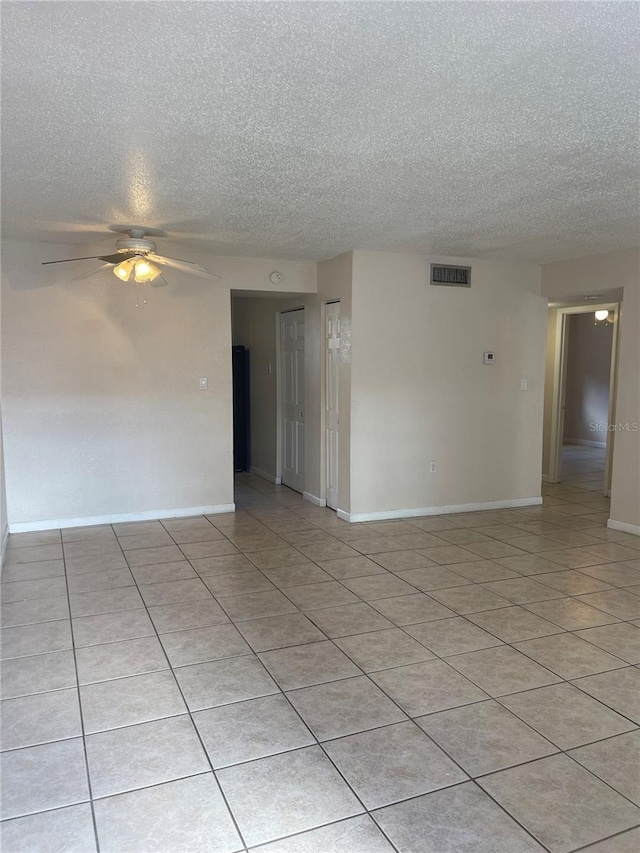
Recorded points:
(144, 296)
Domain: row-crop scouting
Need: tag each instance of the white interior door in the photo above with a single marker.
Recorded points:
(332, 411)
(613, 391)
(292, 398)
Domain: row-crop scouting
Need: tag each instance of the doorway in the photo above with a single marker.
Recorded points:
(292, 397)
(332, 397)
(583, 402)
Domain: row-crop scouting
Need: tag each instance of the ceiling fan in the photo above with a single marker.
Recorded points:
(136, 257)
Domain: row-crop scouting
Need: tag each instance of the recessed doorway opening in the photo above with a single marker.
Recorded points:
(268, 328)
(580, 394)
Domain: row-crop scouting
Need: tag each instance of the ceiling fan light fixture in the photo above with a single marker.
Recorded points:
(136, 256)
(145, 271)
(123, 269)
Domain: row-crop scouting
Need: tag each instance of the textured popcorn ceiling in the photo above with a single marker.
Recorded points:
(301, 130)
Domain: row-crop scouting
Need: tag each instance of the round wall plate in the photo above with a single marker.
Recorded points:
(275, 277)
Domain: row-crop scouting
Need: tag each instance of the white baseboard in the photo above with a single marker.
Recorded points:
(313, 499)
(265, 476)
(3, 547)
(624, 527)
(90, 520)
(585, 443)
(390, 514)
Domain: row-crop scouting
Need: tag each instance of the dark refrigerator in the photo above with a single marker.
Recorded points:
(241, 425)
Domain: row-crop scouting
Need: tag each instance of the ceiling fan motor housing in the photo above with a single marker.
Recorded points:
(135, 244)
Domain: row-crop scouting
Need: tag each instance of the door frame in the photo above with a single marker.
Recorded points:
(323, 404)
(279, 386)
(560, 388)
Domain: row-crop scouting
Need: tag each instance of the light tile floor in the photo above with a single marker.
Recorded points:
(280, 681)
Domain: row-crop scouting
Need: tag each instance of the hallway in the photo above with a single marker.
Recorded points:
(279, 680)
(583, 466)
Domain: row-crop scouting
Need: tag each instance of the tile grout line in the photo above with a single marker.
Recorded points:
(585, 848)
(82, 725)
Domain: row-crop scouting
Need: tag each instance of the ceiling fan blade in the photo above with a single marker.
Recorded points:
(93, 272)
(182, 261)
(68, 260)
(118, 257)
(194, 269)
(173, 262)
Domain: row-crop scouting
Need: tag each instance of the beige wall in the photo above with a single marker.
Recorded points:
(588, 377)
(102, 410)
(421, 393)
(412, 383)
(594, 274)
(103, 416)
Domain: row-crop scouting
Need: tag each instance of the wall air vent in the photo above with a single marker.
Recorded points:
(446, 275)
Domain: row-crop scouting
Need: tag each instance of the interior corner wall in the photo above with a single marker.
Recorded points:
(421, 393)
(592, 274)
(103, 416)
(588, 378)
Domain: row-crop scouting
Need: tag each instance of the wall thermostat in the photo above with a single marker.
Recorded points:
(489, 358)
(275, 277)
